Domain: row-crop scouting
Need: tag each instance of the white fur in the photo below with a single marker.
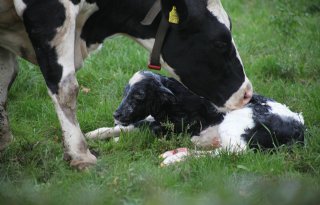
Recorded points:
(109, 132)
(72, 135)
(228, 132)
(216, 8)
(183, 154)
(137, 77)
(283, 110)
(20, 7)
(236, 100)
(146, 43)
(233, 126)
(206, 137)
(66, 34)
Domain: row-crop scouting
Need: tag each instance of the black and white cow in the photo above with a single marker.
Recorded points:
(58, 35)
(153, 100)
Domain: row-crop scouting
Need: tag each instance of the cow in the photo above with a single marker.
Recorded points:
(166, 107)
(198, 50)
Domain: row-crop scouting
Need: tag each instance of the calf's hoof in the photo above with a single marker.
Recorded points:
(174, 156)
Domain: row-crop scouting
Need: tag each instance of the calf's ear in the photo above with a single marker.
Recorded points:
(166, 96)
(181, 13)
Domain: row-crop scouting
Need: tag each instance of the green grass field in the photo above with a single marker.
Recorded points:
(279, 42)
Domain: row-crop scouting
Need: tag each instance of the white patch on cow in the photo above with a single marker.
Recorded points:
(137, 77)
(65, 39)
(94, 47)
(216, 8)
(236, 101)
(20, 6)
(73, 137)
(81, 51)
(109, 132)
(283, 110)
(233, 126)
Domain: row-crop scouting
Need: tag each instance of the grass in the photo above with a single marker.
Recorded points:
(279, 42)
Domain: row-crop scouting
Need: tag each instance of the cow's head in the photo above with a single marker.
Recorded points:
(202, 54)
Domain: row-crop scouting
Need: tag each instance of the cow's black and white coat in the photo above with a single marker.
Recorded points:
(263, 123)
(58, 35)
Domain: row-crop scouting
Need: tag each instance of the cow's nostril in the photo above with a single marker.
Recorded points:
(247, 96)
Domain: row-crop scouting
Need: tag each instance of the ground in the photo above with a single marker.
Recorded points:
(279, 42)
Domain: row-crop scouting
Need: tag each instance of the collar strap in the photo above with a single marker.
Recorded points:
(160, 35)
(157, 47)
(152, 13)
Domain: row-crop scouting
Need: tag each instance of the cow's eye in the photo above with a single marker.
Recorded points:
(220, 44)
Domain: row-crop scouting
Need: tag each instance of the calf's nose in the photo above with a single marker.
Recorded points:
(116, 115)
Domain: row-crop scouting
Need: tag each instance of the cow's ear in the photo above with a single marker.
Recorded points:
(182, 12)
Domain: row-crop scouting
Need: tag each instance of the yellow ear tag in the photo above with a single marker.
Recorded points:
(173, 16)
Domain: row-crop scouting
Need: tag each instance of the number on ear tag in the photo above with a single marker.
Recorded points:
(173, 16)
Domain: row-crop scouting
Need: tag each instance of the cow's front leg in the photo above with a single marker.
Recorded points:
(51, 29)
(75, 147)
(8, 71)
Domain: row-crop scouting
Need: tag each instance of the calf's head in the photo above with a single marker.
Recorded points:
(200, 51)
(144, 95)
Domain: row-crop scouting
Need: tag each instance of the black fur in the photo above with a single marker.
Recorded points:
(41, 24)
(167, 100)
(199, 48)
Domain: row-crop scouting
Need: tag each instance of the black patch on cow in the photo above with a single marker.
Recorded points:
(199, 48)
(41, 19)
(119, 17)
(271, 130)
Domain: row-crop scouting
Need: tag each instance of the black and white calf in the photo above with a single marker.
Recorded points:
(263, 123)
(58, 35)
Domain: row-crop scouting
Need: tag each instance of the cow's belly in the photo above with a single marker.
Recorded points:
(12, 33)
(14, 37)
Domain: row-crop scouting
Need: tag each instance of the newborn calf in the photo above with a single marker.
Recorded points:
(154, 100)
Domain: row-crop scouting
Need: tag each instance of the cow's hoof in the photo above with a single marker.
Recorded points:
(84, 162)
(5, 140)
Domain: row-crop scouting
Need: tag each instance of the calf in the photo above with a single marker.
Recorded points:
(261, 124)
(57, 35)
